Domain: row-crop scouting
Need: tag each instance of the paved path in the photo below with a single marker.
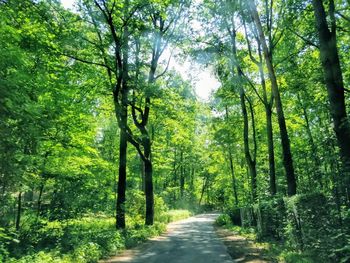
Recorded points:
(189, 240)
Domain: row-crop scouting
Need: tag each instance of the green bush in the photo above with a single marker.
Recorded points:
(309, 224)
(223, 220)
(4, 240)
(89, 253)
(42, 257)
(134, 237)
(270, 216)
(294, 257)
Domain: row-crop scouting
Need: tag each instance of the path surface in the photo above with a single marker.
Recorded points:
(190, 240)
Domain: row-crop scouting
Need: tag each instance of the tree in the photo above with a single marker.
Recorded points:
(334, 82)
(287, 155)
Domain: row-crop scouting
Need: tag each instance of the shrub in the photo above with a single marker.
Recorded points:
(270, 216)
(223, 220)
(89, 253)
(134, 237)
(294, 257)
(309, 224)
(4, 240)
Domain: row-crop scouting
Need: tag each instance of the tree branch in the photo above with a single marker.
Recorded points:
(307, 41)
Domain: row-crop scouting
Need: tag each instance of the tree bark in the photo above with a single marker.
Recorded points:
(149, 193)
(142, 175)
(232, 170)
(287, 154)
(123, 143)
(250, 161)
(234, 184)
(335, 86)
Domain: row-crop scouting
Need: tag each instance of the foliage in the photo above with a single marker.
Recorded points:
(84, 240)
(223, 220)
(270, 216)
(175, 215)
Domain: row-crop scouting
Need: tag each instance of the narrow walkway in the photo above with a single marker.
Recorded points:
(190, 240)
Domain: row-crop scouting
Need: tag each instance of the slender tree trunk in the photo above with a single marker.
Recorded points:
(287, 154)
(270, 143)
(267, 104)
(19, 210)
(334, 82)
(269, 130)
(148, 181)
(250, 161)
(182, 175)
(41, 190)
(205, 182)
(233, 176)
(234, 183)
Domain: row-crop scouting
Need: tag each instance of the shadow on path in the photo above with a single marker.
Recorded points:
(190, 240)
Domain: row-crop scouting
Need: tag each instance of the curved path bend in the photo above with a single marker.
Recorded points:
(190, 240)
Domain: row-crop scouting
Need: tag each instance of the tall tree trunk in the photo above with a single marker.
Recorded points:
(269, 130)
(19, 210)
(334, 82)
(232, 170)
(287, 154)
(182, 175)
(233, 176)
(267, 102)
(271, 150)
(123, 143)
(236, 69)
(123, 123)
(250, 161)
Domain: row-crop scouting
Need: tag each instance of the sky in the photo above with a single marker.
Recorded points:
(203, 78)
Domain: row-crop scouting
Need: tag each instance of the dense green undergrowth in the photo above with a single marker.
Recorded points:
(78, 240)
(303, 228)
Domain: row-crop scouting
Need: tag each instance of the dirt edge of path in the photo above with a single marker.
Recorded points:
(240, 248)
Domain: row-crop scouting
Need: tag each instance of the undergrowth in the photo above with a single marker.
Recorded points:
(84, 240)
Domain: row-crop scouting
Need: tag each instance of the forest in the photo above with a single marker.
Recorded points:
(104, 141)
